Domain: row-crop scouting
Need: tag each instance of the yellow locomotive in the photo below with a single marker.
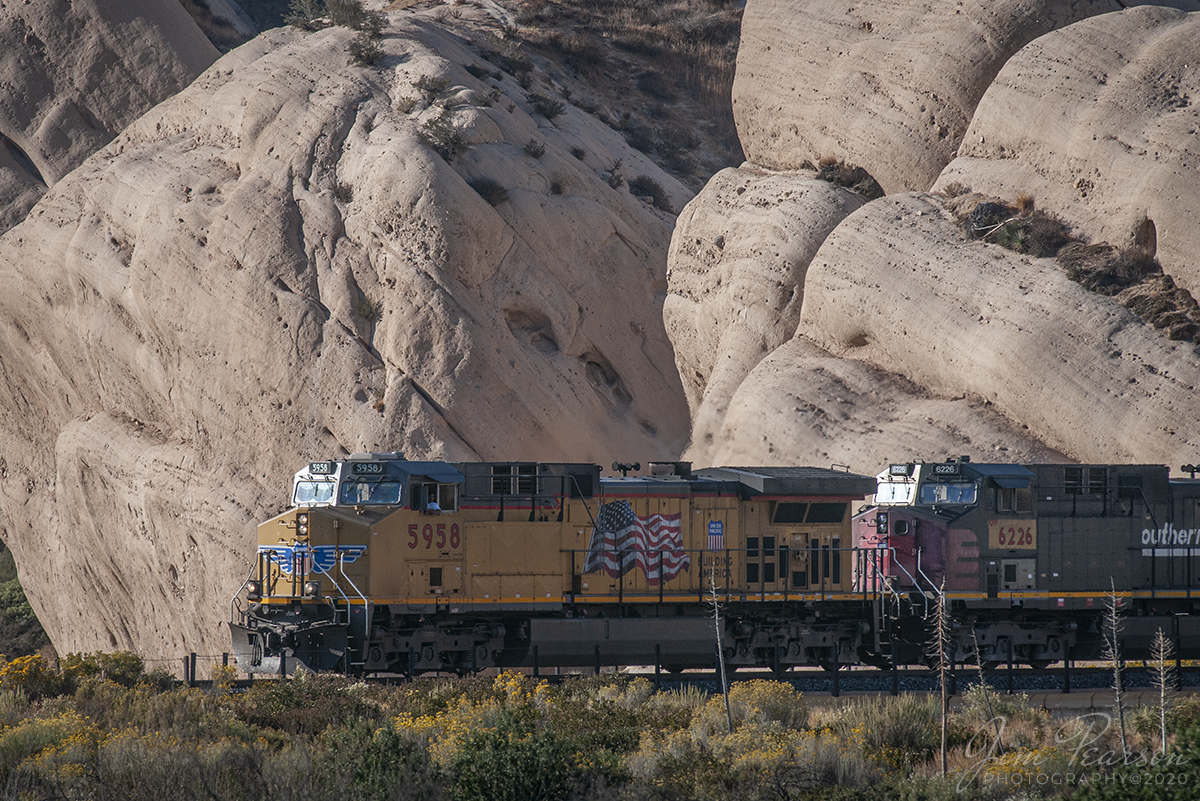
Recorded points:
(385, 564)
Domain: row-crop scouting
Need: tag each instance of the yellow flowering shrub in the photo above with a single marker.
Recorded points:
(513, 695)
(30, 674)
(35, 737)
(759, 705)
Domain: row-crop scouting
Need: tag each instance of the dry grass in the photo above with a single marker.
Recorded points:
(670, 65)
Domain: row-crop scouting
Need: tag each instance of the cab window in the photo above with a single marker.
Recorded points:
(958, 492)
(370, 492)
(313, 492)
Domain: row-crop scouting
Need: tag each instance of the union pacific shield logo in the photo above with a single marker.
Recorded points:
(317, 558)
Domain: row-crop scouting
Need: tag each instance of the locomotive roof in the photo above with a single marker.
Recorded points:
(794, 480)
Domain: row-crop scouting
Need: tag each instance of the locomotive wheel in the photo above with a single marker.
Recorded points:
(1040, 664)
(828, 666)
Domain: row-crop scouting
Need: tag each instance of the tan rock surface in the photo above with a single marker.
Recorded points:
(74, 73)
(1100, 122)
(801, 405)
(916, 343)
(897, 286)
(736, 274)
(194, 329)
(888, 86)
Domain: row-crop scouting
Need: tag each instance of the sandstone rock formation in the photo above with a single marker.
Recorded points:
(274, 266)
(914, 342)
(74, 73)
(888, 86)
(736, 270)
(1108, 139)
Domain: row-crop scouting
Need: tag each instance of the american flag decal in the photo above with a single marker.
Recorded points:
(622, 541)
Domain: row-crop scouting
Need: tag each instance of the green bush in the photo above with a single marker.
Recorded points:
(512, 763)
(14, 604)
(376, 764)
(32, 675)
(121, 667)
(305, 705)
(347, 13)
(898, 732)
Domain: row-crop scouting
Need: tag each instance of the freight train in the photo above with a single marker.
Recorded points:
(383, 564)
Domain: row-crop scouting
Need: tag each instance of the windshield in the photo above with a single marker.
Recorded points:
(891, 492)
(948, 493)
(383, 492)
(313, 492)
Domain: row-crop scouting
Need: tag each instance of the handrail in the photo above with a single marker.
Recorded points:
(896, 561)
(936, 591)
(366, 616)
(234, 599)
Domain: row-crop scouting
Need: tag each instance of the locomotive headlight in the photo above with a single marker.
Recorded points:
(302, 523)
(312, 588)
(254, 590)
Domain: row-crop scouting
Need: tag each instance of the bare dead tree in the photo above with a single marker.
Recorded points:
(716, 606)
(1163, 652)
(941, 643)
(1113, 626)
(986, 689)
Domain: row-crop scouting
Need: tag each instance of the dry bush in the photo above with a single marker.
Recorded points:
(1024, 202)
(430, 86)
(441, 134)
(655, 85)
(546, 106)
(955, 189)
(534, 149)
(1032, 231)
(1164, 305)
(364, 50)
(1107, 269)
(580, 52)
(645, 186)
(578, 152)
(490, 190)
(856, 179)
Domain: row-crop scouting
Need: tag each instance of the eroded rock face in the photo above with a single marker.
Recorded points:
(915, 342)
(736, 271)
(74, 74)
(888, 86)
(1109, 139)
(933, 345)
(970, 319)
(273, 267)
